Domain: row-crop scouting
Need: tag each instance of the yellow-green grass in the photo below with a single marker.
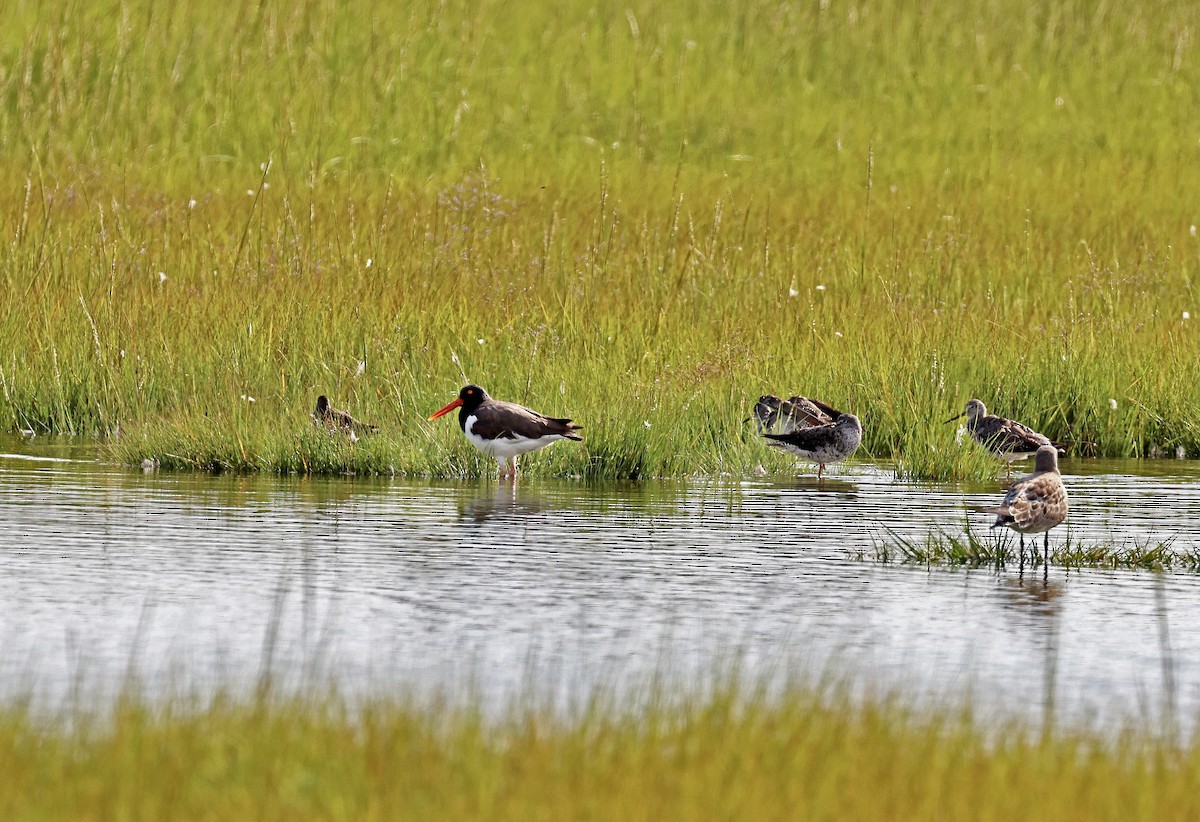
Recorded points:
(1000, 549)
(805, 754)
(649, 215)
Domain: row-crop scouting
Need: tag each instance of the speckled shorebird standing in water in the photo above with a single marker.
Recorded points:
(328, 416)
(808, 429)
(1036, 503)
(1007, 439)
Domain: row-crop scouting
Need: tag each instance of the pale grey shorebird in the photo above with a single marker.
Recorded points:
(810, 429)
(326, 415)
(1007, 439)
(505, 430)
(1035, 503)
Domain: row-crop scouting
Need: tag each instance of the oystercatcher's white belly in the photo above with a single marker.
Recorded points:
(506, 447)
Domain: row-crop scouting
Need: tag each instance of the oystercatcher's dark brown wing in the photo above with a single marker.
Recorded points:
(495, 420)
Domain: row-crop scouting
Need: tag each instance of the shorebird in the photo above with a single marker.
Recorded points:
(810, 429)
(1007, 439)
(1035, 503)
(330, 417)
(505, 430)
(777, 416)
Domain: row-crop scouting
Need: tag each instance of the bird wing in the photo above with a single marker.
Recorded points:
(766, 412)
(1008, 435)
(1041, 498)
(796, 412)
(821, 412)
(507, 420)
(807, 439)
(342, 419)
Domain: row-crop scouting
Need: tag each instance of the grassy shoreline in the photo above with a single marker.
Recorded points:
(642, 218)
(724, 755)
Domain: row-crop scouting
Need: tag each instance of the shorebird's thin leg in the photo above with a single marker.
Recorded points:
(1047, 549)
(514, 467)
(820, 469)
(1022, 551)
(503, 463)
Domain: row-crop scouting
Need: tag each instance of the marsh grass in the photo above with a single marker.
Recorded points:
(1001, 548)
(729, 754)
(640, 215)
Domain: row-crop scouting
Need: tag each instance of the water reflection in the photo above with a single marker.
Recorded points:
(826, 486)
(1039, 597)
(193, 581)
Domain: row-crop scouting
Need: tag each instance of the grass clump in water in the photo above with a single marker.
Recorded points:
(1002, 548)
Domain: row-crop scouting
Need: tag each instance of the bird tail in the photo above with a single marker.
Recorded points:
(570, 429)
(1003, 515)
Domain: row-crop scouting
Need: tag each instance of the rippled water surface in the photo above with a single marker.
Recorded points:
(383, 586)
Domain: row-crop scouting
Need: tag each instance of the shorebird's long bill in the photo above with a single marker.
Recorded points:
(955, 417)
(441, 412)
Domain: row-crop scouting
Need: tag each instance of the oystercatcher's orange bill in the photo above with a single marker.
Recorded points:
(443, 411)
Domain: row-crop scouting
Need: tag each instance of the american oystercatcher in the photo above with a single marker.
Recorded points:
(809, 429)
(1036, 503)
(328, 416)
(505, 430)
(1007, 439)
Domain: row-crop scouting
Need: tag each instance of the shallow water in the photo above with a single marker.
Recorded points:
(186, 582)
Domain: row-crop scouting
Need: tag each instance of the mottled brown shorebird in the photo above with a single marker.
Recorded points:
(776, 416)
(808, 429)
(1035, 503)
(328, 416)
(1007, 439)
(505, 430)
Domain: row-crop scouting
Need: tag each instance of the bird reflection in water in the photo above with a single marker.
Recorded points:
(1043, 600)
(502, 501)
(1038, 596)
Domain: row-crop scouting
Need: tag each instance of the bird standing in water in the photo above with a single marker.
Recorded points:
(1035, 503)
(1007, 439)
(809, 429)
(505, 430)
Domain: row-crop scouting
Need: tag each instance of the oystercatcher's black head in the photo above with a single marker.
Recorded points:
(322, 405)
(470, 398)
